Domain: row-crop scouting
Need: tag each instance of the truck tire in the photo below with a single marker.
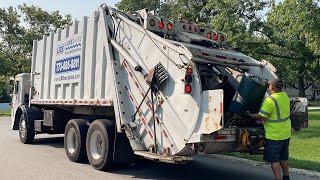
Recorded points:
(75, 140)
(100, 144)
(26, 133)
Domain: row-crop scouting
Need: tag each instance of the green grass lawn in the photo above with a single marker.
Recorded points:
(313, 103)
(304, 146)
(5, 113)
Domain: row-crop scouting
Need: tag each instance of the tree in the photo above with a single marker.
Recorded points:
(238, 19)
(133, 5)
(233, 17)
(188, 10)
(291, 37)
(18, 28)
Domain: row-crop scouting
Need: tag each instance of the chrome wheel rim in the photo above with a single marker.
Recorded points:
(96, 144)
(22, 128)
(71, 140)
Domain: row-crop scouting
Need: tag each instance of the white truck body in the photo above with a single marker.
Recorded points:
(73, 67)
(99, 65)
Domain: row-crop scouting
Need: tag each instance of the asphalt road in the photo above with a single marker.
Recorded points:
(46, 159)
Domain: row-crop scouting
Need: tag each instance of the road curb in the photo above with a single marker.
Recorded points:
(263, 164)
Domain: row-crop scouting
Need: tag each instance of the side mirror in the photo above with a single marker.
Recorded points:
(11, 81)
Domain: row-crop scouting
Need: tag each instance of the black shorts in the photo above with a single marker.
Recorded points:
(276, 150)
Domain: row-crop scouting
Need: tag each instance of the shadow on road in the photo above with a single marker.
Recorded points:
(56, 142)
(201, 167)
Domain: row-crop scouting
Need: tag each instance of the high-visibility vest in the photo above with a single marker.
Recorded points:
(276, 108)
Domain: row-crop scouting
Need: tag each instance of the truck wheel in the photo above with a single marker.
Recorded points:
(75, 140)
(26, 133)
(100, 144)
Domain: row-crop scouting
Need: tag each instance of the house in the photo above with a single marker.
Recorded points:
(292, 92)
(316, 92)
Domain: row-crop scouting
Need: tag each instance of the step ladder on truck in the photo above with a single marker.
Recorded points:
(121, 85)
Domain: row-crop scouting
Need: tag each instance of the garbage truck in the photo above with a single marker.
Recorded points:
(126, 85)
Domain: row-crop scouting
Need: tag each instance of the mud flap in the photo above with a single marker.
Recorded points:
(123, 152)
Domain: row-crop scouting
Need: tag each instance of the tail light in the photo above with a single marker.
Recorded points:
(188, 80)
(219, 137)
(215, 36)
(187, 88)
(189, 70)
(161, 25)
(196, 29)
(190, 28)
(184, 26)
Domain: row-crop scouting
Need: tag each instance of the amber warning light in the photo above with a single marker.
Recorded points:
(169, 26)
(152, 22)
(209, 35)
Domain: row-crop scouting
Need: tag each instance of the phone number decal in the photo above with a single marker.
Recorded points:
(68, 64)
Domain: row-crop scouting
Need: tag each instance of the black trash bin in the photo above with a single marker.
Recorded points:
(249, 95)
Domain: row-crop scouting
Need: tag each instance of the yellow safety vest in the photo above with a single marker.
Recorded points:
(276, 108)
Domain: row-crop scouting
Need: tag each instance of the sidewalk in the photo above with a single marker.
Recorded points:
(314, 108)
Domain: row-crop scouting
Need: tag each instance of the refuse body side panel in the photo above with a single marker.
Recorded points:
(71, 67)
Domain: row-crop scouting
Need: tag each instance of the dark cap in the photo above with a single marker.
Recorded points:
(276, 83)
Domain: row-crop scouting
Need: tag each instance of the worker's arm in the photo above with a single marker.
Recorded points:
(265, 111)
(257, 117)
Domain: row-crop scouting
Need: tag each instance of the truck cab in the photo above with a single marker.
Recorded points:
(20, 95)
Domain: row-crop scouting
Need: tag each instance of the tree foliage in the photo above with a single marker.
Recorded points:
(233, 17)
(291, 37)
(18, 28)
(133, 5)
(288, 35)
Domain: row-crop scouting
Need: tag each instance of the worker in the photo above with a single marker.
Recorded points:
(274, 114)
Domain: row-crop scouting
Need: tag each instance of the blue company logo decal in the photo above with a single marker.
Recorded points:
(68, 64)
(71, 46)
(60, 49)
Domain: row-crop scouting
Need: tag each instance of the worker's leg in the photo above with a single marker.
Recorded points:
(284, 156)
(271, 154)
(276, 170)
(285, 167)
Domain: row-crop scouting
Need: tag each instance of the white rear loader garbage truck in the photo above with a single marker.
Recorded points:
(121, 85)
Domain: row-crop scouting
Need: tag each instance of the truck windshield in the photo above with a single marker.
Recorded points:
(16, 87)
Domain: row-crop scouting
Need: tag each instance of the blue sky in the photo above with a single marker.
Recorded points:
(77, 8)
